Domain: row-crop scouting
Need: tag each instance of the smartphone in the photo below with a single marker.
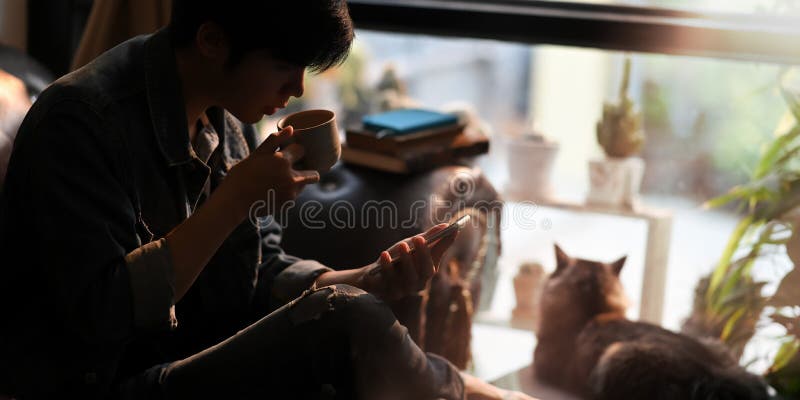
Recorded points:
(431, 241)
(451, 229)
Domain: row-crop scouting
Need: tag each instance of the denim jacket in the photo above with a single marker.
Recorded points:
(101, 171)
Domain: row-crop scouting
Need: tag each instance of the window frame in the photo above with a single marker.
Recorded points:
(608, 27)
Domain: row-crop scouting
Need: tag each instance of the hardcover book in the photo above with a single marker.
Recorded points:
(405, 121)
(440, 137)
(463, 145)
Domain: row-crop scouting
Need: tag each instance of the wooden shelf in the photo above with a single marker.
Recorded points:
(659, 231)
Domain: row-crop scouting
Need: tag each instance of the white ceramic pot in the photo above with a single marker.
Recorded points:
(615, 182)
(530, 165)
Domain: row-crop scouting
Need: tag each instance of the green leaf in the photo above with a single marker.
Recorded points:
(788, 200)
(765, 237)
(726, 198)
(725, 260)
(731, 323)
(792, 101)
(745, 293)
(790, 153)
(785, 354)
(766, 188)
(772, 154)
(732, 281)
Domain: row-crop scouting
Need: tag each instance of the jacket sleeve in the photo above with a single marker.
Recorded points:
(281, 277)
(105, 285)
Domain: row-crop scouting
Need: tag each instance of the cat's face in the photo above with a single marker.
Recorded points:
(584, 286)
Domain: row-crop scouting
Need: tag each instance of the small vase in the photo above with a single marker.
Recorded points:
(527, 290)
(530, 165)
(615, 182)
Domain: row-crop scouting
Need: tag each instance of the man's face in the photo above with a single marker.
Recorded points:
(260, 85)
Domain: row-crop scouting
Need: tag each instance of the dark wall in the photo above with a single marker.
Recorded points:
(54, 31)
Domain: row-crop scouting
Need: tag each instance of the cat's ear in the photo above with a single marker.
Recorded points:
(562, 259)
(616, 266)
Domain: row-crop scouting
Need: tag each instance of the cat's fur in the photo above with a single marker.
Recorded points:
(587, 346)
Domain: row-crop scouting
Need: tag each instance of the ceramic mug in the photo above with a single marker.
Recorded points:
(316, 131)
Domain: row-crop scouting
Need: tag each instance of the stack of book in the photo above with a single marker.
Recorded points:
(411, 140)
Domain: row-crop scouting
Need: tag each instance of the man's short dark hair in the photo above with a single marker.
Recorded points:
(315, 34)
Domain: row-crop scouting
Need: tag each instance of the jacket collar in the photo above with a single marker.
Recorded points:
(165, 99)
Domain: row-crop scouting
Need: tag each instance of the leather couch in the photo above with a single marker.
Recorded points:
(354, 213)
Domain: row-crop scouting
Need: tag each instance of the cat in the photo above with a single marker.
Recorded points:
(587, 346)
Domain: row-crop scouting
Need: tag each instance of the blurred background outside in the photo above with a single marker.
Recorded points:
(705, 121)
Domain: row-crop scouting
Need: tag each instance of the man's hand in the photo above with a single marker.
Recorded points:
(268, 170)
(194, 241)
(401, 271)
(476, 389)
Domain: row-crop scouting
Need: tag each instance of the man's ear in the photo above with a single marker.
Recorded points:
(562, 259)
(212, 42)
(616, 266)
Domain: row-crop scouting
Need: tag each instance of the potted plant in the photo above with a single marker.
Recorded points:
(530, 165)
(528, 284)
(615, 180)
(730, 305)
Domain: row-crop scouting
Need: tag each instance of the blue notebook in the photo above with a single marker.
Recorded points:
(400, 122)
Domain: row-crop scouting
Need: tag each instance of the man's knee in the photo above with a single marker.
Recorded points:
(349, 304)
(346, 296)
(346, 291)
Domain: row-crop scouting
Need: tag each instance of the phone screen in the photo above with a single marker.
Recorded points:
(452, 228)
(430, 241)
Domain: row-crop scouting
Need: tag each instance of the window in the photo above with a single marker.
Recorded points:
(705, 118)
(750, 7)
(763, 37)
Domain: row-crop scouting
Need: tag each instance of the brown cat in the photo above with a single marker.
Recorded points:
(588, 347)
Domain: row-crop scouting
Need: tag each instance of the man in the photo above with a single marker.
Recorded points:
(128, 270)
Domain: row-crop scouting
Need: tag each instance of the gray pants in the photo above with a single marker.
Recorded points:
(336, 342)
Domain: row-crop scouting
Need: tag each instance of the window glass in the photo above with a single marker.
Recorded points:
(789, 8)
(705, 123)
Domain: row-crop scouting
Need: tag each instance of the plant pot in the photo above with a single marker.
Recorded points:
(528, 285)
(615, 182)
(530, 165)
